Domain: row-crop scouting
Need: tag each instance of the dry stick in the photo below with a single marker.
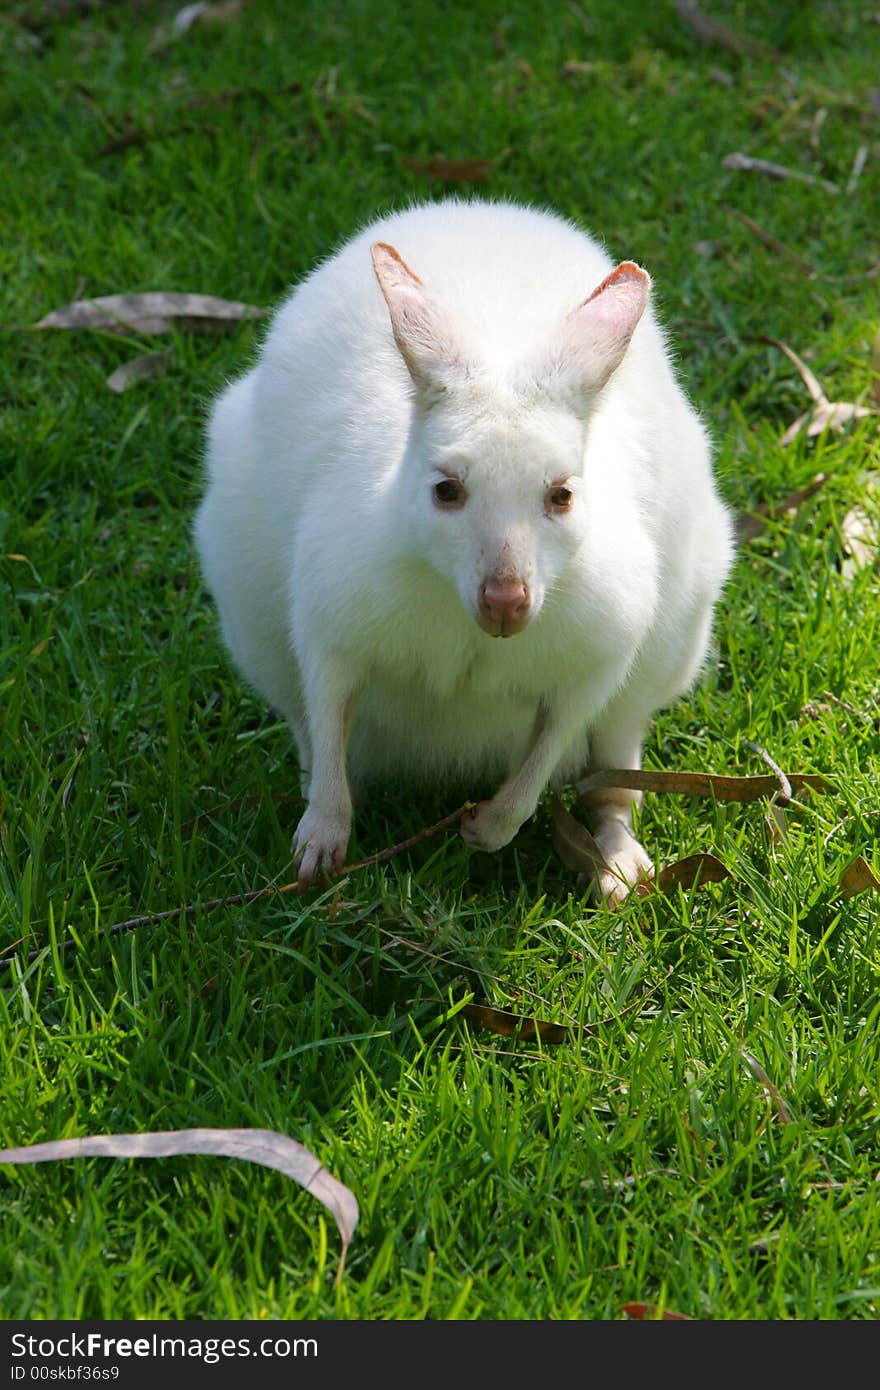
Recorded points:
(746, 163)
(784, 784)
(712, 32)
(858, 165)
(769, 240)
(239, 899)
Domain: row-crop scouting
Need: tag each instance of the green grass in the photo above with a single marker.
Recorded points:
(641, 1159)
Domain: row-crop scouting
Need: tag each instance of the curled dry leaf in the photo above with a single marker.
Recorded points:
(578, 851)
(700, 783)
(263, 1146)
(153, 312)
(858, 877)
(151, 364)
(825, 414)
(695, 870)
(574, 844)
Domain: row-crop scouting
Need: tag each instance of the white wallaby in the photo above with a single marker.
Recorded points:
(465, 426)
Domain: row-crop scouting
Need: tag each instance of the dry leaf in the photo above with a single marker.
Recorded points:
(451, 170)
(858, 877)
(772, 1091)
(153, 312)
(695, 870)
(514, 1025)
(825, 414)
(859, 532)
(639, 1311)
(753, 523)
(136, 369)
(747, 164)
(574, 844)
(263, 1146)
(700, 783)
(576, 68)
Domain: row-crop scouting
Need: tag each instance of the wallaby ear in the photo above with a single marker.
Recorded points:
(421, 328)
(597, 333)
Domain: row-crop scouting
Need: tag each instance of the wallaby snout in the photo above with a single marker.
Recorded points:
(504, 606)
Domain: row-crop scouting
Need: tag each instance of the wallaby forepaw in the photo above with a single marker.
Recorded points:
(487, 828)
(319, 846)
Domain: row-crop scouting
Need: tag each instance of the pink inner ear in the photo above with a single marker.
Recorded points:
(624, 275)
(605, 322)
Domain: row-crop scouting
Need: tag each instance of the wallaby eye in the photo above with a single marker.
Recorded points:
(559, 498)
(449, 493)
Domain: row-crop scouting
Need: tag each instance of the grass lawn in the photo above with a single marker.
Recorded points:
(704, 1136)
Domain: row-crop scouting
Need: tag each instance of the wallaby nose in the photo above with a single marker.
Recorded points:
(504, 606)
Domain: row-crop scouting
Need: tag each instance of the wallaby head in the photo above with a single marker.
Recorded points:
(494, 466)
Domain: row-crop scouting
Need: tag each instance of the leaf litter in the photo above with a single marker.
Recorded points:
(157, 311)
(825, 414)
(263, 1146)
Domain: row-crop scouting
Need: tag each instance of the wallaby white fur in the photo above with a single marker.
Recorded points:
(463, 426)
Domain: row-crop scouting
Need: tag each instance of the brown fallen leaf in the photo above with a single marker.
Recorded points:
(515, 1025)
(640, 1311)
(263, 1146)
(451, 170)
(153, 312)
(574, 844)
(578, 851)
(858, 877)
(771, 1090)
(754, 523)
(723, 788)
(151, 364)
(747, 164)
(696, 869)
(825, 414)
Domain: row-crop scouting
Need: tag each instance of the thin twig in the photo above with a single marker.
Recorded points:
(858, 165)
(748, 164)
(148, 919)
(769, 240)
(784, 784)
(714, 33)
